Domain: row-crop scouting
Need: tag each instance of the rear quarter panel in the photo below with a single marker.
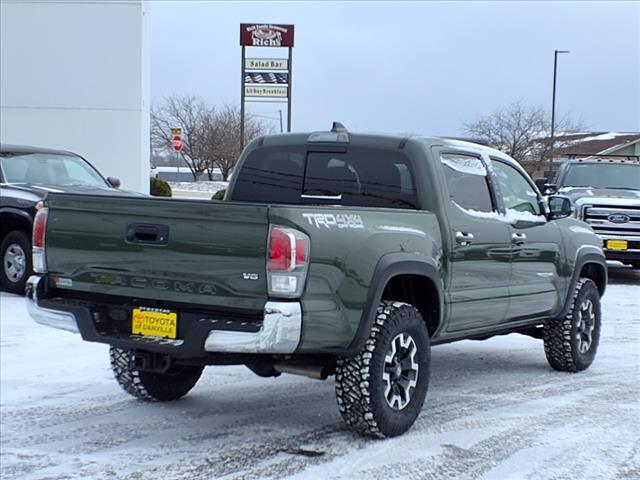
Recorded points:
(346, 245)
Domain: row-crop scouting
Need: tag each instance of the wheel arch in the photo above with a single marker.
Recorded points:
(417, 290)
(590, 263)
(596, 272)
(12, 219)
(402, 277)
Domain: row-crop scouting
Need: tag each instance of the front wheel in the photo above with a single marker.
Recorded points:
(570, 343)
(162, 387)
(381, 390)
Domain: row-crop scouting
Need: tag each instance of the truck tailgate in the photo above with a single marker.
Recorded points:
(188, 251)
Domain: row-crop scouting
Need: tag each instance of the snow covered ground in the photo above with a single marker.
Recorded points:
(495, 410)
(197, 190)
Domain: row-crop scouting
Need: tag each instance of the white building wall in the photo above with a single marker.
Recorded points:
(74, 75)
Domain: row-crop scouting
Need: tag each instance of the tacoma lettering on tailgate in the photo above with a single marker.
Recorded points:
(158, 284)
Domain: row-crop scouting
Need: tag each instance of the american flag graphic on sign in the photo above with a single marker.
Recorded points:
(265, 77)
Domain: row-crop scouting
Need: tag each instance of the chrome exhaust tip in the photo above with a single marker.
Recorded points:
(312, 371)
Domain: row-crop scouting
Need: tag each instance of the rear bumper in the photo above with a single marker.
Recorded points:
(279, 331)
(46, 316)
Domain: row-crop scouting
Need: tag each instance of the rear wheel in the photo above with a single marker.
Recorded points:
(162, 387)
(381, 390)
(570, 343)
(15, 253)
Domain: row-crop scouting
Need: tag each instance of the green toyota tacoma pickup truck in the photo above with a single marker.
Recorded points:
(332, 254)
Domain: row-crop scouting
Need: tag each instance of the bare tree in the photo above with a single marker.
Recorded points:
(191, 114)
(223, 139)
(522, 132)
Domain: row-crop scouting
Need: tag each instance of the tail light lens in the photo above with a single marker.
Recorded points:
(287, 261)
(38, 241)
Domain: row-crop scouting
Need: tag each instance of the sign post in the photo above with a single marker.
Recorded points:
(265, 79)
(242, 96)
(289, 89)
(176, 139)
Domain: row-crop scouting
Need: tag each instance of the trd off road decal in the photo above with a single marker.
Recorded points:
(329, 220)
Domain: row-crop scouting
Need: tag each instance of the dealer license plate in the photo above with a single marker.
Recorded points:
(155, 322)
(617, 244)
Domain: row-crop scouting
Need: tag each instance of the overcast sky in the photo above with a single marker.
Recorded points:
(411, 67)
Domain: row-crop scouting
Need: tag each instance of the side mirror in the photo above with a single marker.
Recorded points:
(559, 207)
(114, 182)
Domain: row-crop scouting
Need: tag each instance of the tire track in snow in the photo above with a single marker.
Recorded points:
(490, 403)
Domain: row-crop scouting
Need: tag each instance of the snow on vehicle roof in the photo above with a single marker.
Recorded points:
(468, 165)
(474, 148)
(480, 149)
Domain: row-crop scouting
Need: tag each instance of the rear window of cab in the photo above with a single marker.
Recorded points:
(359, 176)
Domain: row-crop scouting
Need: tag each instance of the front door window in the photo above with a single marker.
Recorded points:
(517, 193)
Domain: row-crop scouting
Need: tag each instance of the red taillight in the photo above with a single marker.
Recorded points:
(286, 250)
(280, 250)
(39, 257)
(40, 227)
(302, 247)
(287, 261)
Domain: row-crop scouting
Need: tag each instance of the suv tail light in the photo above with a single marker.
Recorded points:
(38, 240)
(287, 261)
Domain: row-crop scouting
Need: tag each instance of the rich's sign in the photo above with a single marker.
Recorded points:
(266, 35)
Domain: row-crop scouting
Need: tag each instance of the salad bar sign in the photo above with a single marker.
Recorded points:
(265, 79)
(267, 64)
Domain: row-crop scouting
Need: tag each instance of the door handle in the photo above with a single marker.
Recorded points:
(147, 234)
(518, 238)
(464, 238)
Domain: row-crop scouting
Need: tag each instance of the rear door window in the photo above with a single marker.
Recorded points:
(360, 176)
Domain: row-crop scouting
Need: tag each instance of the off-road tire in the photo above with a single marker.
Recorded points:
(360, 388)
(561, 342)
(16, 239)
(151, 386)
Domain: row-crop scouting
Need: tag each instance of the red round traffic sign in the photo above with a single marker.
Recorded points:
(176, 143)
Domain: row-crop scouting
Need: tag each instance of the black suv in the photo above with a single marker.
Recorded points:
(27, 174)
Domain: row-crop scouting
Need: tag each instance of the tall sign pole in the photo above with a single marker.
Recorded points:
(265, 79)
(289, 90)
(176, 141)
(553, 104)
(242, 101)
